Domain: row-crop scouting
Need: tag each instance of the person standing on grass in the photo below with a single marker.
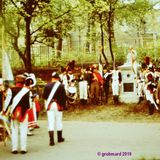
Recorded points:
(83, 88)
(157, 95)
(150, 89)
(116, 82)
(106, 82)
(55, 101)
(2, 91)
(96, 84)
(64, 78)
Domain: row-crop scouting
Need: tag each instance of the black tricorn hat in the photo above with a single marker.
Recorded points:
(55, 75)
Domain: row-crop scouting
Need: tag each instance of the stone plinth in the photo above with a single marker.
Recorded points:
(128, 89)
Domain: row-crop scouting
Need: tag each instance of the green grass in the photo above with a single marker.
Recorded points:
(110, 112)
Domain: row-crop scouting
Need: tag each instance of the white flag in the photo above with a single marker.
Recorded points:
(6, 68)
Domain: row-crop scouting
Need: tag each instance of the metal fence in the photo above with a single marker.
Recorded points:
(44, 56)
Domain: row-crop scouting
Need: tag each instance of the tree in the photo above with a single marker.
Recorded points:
(104, 11)
(135, 15)
(42, 21)
(63, 21)
(26, 10)
(29, 9)
(107, 12)
(49, 22)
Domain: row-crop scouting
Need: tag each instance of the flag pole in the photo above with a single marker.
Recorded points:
(7, 74)
(2, 29)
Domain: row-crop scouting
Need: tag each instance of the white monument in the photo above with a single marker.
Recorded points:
(128, 90)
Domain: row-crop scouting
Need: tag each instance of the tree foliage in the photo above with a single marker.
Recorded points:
(51, 21)
(135, 14)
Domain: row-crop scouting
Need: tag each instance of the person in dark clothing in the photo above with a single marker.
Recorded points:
(106, 82)
(88, 77)
(1, 94)
(55, 102)
(71, 65)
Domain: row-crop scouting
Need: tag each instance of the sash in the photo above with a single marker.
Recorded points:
(107, 74)
(7, 100)
(18, 97)
(95, 77)
(54, 89)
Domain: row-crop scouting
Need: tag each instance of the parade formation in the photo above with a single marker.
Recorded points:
(90, 85)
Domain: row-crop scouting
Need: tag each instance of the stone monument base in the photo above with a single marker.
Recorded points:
(129, 98)
(128, 90)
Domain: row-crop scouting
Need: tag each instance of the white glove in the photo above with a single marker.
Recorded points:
(157, 101)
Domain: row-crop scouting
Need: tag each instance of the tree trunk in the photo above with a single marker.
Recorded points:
(88, 36)
(102, 40)
(27, 63)
(110, 35)
(1, 7)
(59, 47)
(93, 36)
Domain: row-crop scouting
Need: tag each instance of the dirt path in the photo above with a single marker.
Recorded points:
(93, 141)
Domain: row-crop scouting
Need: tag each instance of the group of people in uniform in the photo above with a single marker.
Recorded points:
(20, 99)
(92, 84)
(148, 83)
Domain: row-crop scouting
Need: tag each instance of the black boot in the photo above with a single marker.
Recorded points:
(114, 100)
(92, 100)
(140, 100)
(151, 109)
(60, 138)
(117, 100)
(51, 136)
(85, 101)
(82, 101)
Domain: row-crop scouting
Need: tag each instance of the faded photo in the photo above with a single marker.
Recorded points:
(80, 79)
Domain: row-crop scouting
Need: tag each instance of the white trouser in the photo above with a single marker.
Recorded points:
(115, 88)
(54, 118)
(83, 90)
(32, 121)
(140, 89)
(23, 127)
(34, 112)
(149, 96)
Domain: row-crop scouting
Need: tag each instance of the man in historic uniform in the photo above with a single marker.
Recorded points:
(83, 87)
(32, 118)
(116, 82)
(106, 82)
(96, 84)
(1, 94)
(150, 89)
(17, 102)
(157, 95)
(55, 101)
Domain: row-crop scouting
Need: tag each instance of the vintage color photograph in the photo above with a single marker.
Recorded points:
(80, 79)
